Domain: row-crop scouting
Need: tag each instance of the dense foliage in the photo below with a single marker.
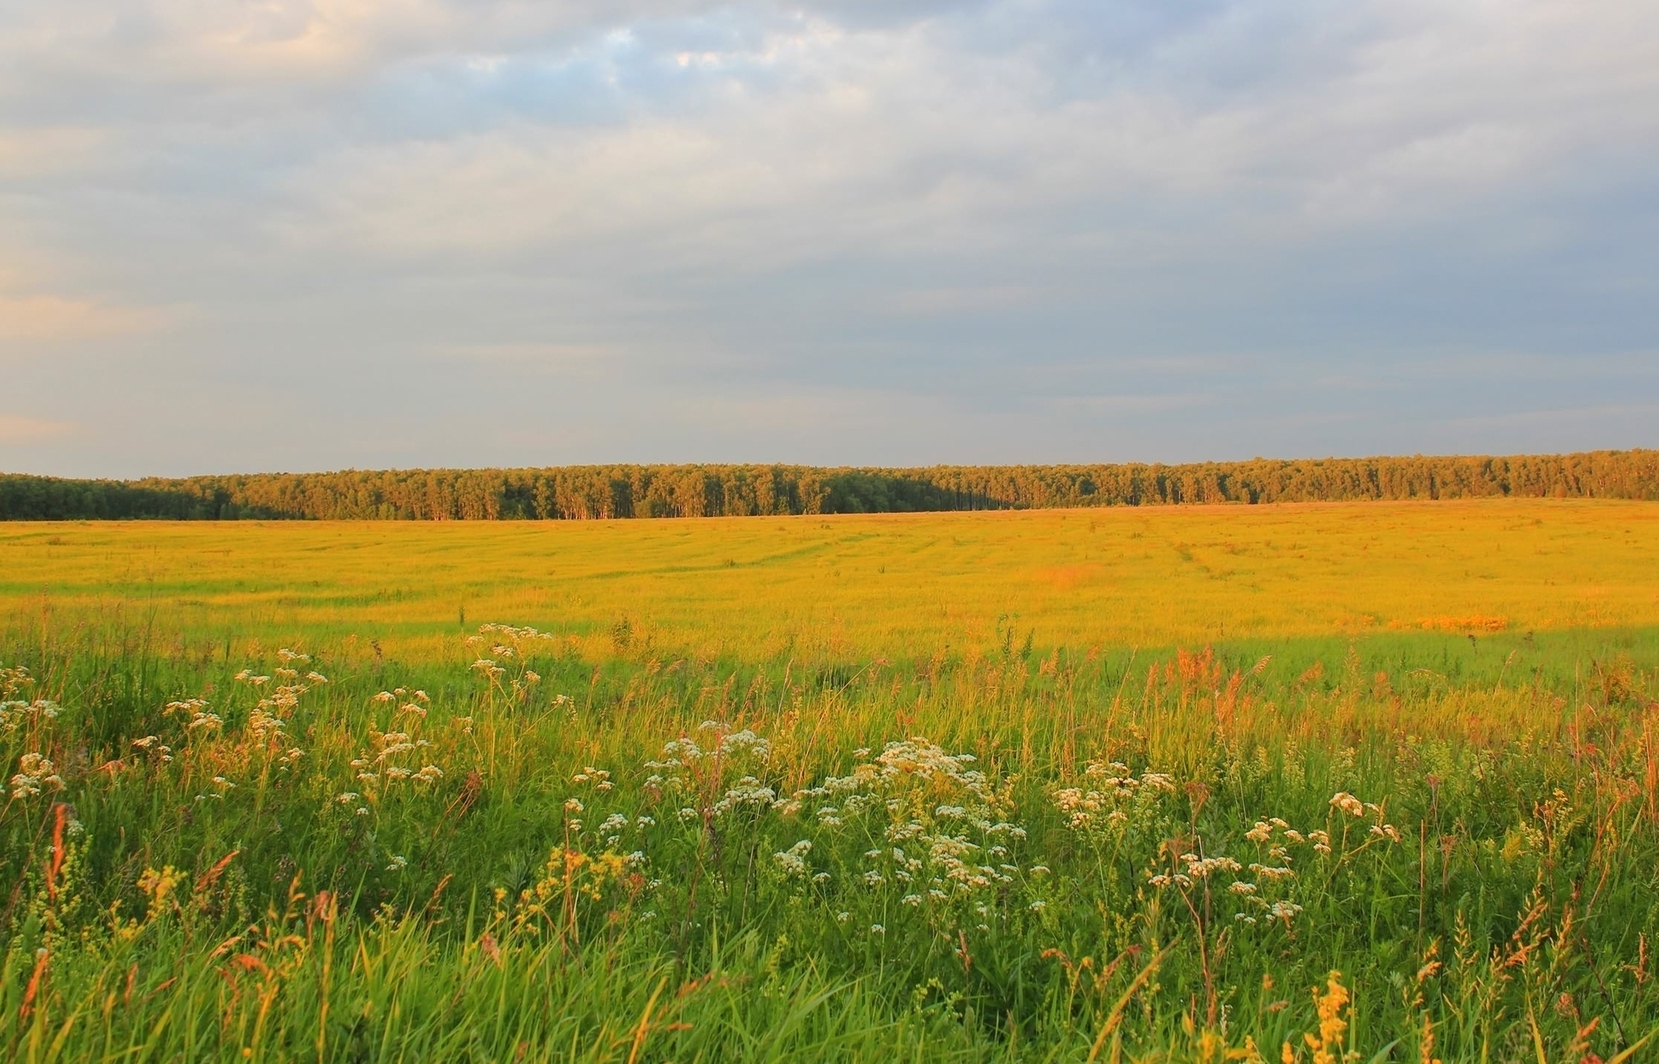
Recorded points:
(581, 492)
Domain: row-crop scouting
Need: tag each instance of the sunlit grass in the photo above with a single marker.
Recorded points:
(756, 588)
(877, 788)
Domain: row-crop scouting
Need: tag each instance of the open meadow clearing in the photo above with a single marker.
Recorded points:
(1373, 781)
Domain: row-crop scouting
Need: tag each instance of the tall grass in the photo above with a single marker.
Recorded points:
(508, 847)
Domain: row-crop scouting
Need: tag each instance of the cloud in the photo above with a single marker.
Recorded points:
(17, 429)
(52, 318)
(673, 228)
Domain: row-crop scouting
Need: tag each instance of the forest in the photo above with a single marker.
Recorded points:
(699, 490)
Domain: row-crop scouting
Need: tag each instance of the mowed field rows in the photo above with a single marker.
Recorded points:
(850, 586)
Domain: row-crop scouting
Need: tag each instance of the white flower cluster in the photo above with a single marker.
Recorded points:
(1113, 798)
(153, 746)
(793, 860)
(200, 719)
(741, 753)
(524, 634)
(598, 778)
(937, 851)
(749, 793)
(383, 765)
(16, 712)
(34, 774)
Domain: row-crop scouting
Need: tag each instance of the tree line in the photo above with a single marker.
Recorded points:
(627, 491)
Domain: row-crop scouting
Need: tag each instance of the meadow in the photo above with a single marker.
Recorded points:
(1322, 782)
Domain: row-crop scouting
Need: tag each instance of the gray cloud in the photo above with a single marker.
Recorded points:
(401, 232)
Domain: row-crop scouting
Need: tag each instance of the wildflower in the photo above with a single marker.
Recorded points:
(1158, 781)
(429, 774)
(34, 774)
(573, 805)
(877, 929)
(1327, 1047)
(749, 793)
(347, 797)
(1348, 804)
(1038, 906)
(262, 725)
(1200, 868)
(316, 677)
(793, 860)
(600, 778)
(1283, 910)
(397, 864)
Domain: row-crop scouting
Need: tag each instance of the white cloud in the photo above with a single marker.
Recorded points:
(1028, 217)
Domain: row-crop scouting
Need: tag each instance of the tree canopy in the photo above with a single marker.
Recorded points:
(627, 491)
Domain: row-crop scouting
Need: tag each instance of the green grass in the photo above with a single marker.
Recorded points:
(231, 899)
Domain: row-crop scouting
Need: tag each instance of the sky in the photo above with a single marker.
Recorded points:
(286, 235)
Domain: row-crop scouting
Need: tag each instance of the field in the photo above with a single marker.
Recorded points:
(1316, 782)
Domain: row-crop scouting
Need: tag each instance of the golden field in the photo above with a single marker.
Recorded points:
(892, 584)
